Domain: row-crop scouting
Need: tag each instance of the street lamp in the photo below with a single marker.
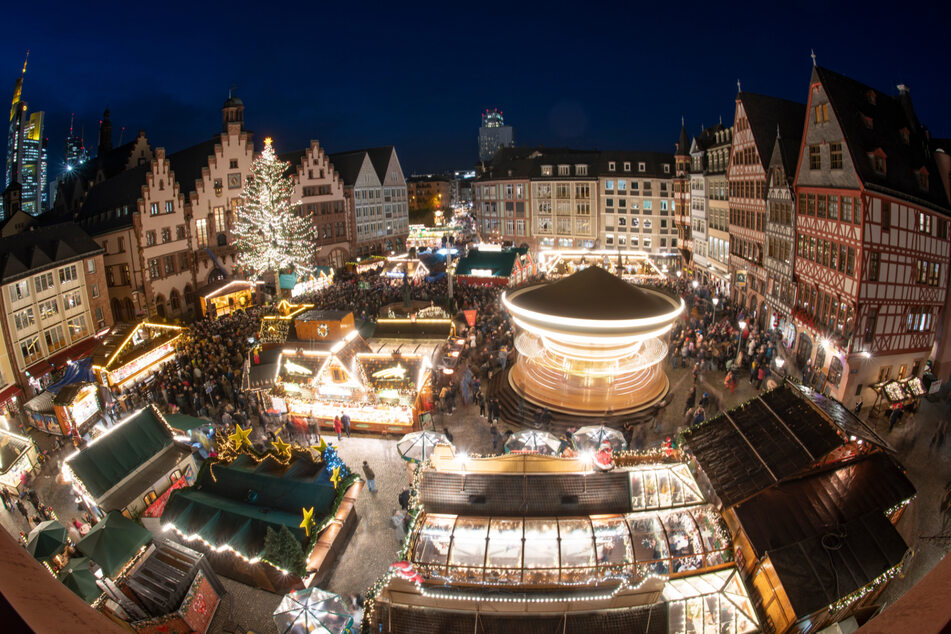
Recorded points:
(715, 301)
(695, 284)
(739, 337)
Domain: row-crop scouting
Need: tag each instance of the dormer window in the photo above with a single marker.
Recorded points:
(877, 159)
(921, 176)
(546, 170)
(905, 136)
(666, 168)
(627, 166)
(867, 121)
(581, 170)
(612, 166)
(870, 97)
(564, 170)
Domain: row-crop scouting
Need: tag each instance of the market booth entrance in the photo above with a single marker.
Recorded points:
(591, 344)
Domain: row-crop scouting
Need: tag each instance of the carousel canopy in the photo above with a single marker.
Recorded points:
(594, 294)
(113, 542)
(312, 610)
(47, 539)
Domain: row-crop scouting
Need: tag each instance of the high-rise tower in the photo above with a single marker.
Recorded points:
(26, 151)
(493, 134)
(74, 149)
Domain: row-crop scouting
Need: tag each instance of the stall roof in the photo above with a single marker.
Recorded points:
(185, 423)
(117, 347)
(42, 402)
(140, 482)
(760, 443)
(68, 392)
(323, 315)
(822, 569)
(109, 459)
(807, 507)
(500, 263)
(529, 495)
(841, 415)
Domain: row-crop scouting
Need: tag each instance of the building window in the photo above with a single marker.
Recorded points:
(612, 166)
(153, 209)
(919, 320)
(68, 274)
(627, 166)
(99, 318)
(642, 167)
(19, 290)
(180, 232)
(822, 113)
(121, 245)
(149, 238)
(220, 220)
(169, 207)
(169, 265)
(154, 268)
(49, 309)
(564, 170)
(581, 170)
(924, 222)
(835, 156)
(873, 264)
(202, 231)
(24, 319)
(77, 328)
(942, 229)
(166, 234)
(546, 170)
(870, 325)
(183, 260)
(72, 299)
(815, 160)
(886, 215)
(91, 266)
(30, 349)
(233, 164)
(55, 338)
(95, 290)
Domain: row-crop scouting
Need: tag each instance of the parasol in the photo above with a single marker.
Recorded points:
(113, 542)
(79, 578)
(418, 445)
(47, 539)
(531, 441)
(591, 437)
(312, 610)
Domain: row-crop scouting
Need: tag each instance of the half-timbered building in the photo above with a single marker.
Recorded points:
(872, 250)
(705, 172)
(781, 235)
(682, 193)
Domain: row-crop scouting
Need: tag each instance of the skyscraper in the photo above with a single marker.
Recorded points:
(74, 149)
(493, 134)
(27, 151)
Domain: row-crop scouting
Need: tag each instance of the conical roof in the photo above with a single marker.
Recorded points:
(594, 294)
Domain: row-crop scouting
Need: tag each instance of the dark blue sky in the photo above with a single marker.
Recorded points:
(417, 75)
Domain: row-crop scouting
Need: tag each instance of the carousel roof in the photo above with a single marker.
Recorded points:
(594, 294)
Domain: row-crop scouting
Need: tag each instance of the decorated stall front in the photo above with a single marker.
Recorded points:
(18, 458)
(226, 296)
(367, 264)
(492, 265)
(77, 407)
(380, 389)
(133, 353)
(892, 393)
(637, 267)
(402, 267)
(294, 286)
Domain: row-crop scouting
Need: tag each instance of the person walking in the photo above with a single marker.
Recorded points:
(937, 440)
(858, 407)
(345, 421)
(447, 434)
(894, 418)
(371, 477)
(338, 428)
(691, 398)
(481, 404)
(699, 416)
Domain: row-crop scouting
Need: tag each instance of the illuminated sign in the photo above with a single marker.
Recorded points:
(394, 373)
(141, 363)
(293, 368)
(85, 407)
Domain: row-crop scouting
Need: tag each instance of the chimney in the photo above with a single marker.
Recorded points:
(904, 98)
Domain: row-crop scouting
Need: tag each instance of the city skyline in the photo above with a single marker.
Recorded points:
(176, 98)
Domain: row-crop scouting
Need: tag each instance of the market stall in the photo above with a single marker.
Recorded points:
(322, 277)
(77, 407)
(224, 297)
(892, 394)
(371, 263)
(402, 267)
(132, 353)
(637, 267)
(18, 458)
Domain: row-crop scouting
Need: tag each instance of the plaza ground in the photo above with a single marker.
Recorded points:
(376, 540)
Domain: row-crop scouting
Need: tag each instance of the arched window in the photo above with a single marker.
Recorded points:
(835, 372)
(175, 301)
(160, 305)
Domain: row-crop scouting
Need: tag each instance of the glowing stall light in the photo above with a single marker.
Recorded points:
(224, 288)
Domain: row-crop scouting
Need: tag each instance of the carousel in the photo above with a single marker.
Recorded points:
(632, 266)
(591, 344)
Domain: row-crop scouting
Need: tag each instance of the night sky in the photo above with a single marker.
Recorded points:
(418, 75)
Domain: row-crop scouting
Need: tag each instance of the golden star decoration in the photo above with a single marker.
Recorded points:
(322, 445)
(240, 437)
(308, 519)
(281, 447)
(335, 478)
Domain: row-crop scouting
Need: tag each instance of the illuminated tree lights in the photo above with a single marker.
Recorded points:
(272, 234)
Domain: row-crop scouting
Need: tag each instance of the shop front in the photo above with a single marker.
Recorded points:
(77, 407)
(225, 297)
(134, 353)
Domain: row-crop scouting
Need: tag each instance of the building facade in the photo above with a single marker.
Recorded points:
(699, 174)
(872, 250)
(756, 121)
(781, 236)
(493, 134)
(428, 191)
(27, 152)
(682, 192)
(717, 209)
(53, 300)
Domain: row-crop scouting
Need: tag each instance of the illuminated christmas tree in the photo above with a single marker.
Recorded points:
(272, 234)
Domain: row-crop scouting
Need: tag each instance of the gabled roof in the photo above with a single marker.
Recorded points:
(43, 247)
(101, 211)
(764, 113)
(889, 116)
(754, 446)
(380, 157)
(188, 164)
(294, 159)
(348, 165)
(112, 457)
(653, 163)
(683, 143)
(500, 263)
(810, 506)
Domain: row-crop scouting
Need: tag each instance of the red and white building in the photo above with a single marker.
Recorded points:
(872, 250)
(757, 120)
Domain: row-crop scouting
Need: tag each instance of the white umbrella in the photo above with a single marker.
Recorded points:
(591, 437)
(312, 610)
(417, 446)
(530, 440)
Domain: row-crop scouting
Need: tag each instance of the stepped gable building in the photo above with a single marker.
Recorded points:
(702, 165)
(781, 233)
(53, 300)
(756, 120)
(872, 250)
(320, 189)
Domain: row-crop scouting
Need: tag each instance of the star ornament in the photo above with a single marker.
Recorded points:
(240, 437)
(282, 448)
(308, 519)
(335, 478)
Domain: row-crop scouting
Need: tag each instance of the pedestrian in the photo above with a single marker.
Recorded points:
(447, 434)
(404, 499)
(691, 398)
(371, 477)
(7, 503)
(22, 509)
(937, 440)
(894, 418)
(338, 428)
(698, 416)
(858, 407)
(704, 400)
(760, 375)
(481, 404)
(345, 421)
(399, 519)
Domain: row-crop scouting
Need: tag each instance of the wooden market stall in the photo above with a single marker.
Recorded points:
(133, 352)
(893, 393)
(18, 456)
(226, 296)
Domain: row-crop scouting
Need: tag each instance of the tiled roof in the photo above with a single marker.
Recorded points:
(188, 164)
(530, 495)
(500, 262)
(889, 116)
(41, 248)
(764, 113)
(107, 461)
(761, 443)
(348, 165)
(102, 209)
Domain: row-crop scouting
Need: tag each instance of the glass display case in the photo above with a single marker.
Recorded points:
(570, 550)
(710, 602)
(664, 486)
